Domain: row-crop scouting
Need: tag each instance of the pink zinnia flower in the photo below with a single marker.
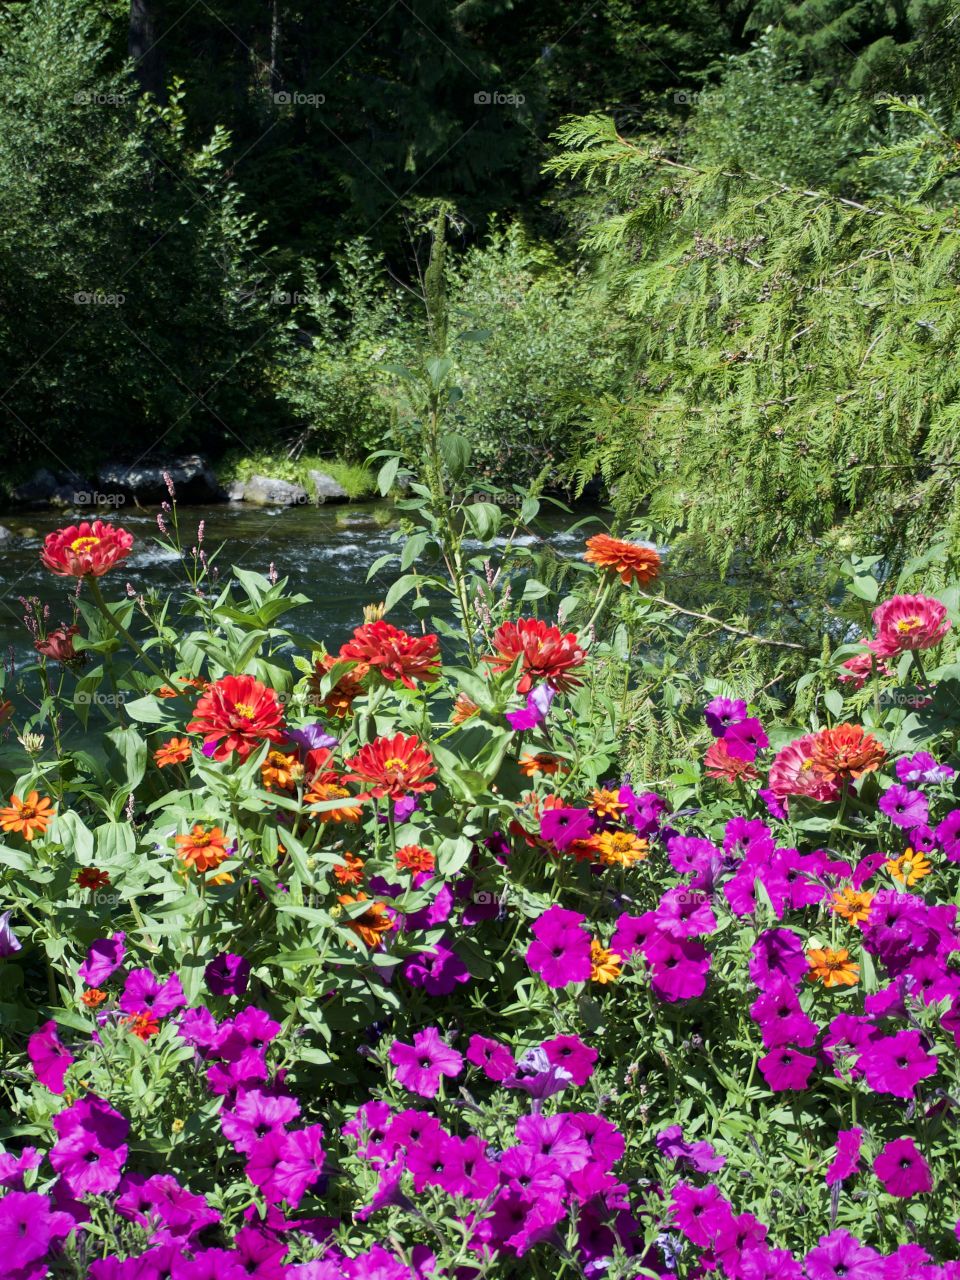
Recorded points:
(902, 1169)
(908, 622)
(792, 773)
(420, 1065)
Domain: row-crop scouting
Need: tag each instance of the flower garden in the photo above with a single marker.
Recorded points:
(377, 962)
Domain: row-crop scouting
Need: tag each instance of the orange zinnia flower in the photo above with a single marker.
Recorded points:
(587, 850)
(542, 762)
(27, 816)
(93, 997)
(339, 701)
(464, 709)
(414, 858)
(606, 804)
(372, 924)
(846, 752)
(91, 878)
(633, 562)
(853, 904)
(319, 791)
(174, 751)
(392, 654)
(394, 766)
(350, 870)
(237, 713)
(606, 964)
(547, 656)
(85, 549)
(142, 1025)
(832, 968)
(280, 771)
(909, 867)
(203, 849)
(621, 848)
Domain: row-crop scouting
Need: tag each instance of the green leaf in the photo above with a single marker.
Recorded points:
(387, 475)
(456, 452)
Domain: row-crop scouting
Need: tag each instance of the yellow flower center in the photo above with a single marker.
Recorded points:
(909, 624)
(244, 710)
(80, 545)
(394, 762)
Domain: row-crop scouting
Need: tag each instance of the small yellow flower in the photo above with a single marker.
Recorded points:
(852, 904)
(606, 964)
(178, 1125)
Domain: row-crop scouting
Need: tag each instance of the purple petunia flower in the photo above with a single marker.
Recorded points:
(91, 1149)
(437, 971)
(312, 737)
(227, 975)
(570, 1053)
(904, 808)
(562, 826)
(28, 1227)
(721, 713)
(9, 942)
(902, 1169)
(560, 952)
(537, 1076)
(777, 953)
(745, 739)
(535, 712)
(921, 769)
(104, 956)
(896, 1064)
(847, 1158)
(493, 1058)
(48, 1057)
(785, 1069)
(841, 1256)
(143, 992)
(255, 1113)
(948, 835)
(699, 1156)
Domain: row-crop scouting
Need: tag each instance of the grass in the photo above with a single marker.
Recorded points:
(358, 481)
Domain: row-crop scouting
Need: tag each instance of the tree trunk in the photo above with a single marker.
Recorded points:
(143, 45)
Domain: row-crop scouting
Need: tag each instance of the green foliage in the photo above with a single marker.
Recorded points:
(794, 392)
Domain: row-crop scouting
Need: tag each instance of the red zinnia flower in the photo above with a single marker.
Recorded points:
(58, 645)
(846, 751)
(547, 655)
(85, 549)
(395, 766)
(242, 712)
(720, 763)
(142, 1025)
(91, 878)
(415, 858)
(633, 562)
(394, 654)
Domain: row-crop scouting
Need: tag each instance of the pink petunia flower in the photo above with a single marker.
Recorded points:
(902, 1169)
(421, 1065)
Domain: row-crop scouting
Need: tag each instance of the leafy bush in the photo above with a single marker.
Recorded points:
(355, 478)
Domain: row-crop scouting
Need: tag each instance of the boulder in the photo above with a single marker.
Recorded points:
(5, 533)
(265, 491)
(235, 491)
(326, 488)
(192, 476)
(36, 491)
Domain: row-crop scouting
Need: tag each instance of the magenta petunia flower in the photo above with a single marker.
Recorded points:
(539, 700)
(555, 1138)
(48, 1057)
(91, 1149)
(746, 739)
(300, 1164)
(698, 1212)
(10, 944)
(254, 1114)
(633, 933)
(847, 1158)
(684, 913)
(948, 835)
(896, 1064)
(252, 1028)
(778, 953)
(678, 968)
(841, 1256)
(781, 1020)
(227, 975)
(722, 713)
(143, 992)
(560, 952)
(28, 1227)
(902, 1169)
(560, 827)
(493, 1058)
(904, 808)
(760, 1263)
(537, 1076)
(421, 1065)
(12, 1168)
(786, 1069)
(570, 1053)
(103, 958)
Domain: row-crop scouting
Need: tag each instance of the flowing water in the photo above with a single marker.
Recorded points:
(325, 552)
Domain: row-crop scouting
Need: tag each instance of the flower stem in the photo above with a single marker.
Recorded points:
(121, 630)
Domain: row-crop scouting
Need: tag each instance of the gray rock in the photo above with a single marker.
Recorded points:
(265, 491)
(192, 476)
(326, 488)
(5, 533)
(36, 491)
(235, 491)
